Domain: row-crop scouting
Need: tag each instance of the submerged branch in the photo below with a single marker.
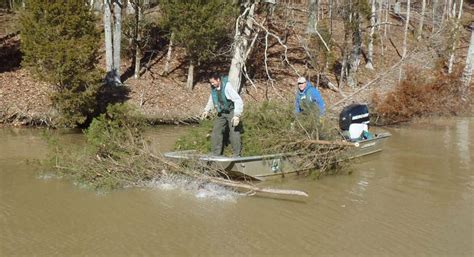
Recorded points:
(240, 185)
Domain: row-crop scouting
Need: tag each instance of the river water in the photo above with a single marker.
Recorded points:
(413, 199)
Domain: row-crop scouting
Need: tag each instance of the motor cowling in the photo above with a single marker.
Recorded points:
(354, 113)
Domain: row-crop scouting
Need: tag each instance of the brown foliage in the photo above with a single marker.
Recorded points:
(421, 93)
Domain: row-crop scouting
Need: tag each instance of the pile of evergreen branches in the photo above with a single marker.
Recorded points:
(117, 155)
(273, 127)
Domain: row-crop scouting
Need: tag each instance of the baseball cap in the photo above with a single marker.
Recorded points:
(301, 80)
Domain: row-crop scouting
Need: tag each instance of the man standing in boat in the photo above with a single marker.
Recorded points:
(229, 106)
(308, 98)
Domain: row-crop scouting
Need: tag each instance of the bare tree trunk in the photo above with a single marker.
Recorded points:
(131, 7)
(345, 57)
(241, 44)
(343, 73)
(382, 48)
(330, 15)
(453, 9)
(190, 81)
(313, 6)
(370, 47)
(422, 19)
(117, 38)
(112, 41)
(455, 35)
(320, 14)
(386, 4)
(449, 6)
(435, 10)
(387, 9)
(445, 11)
(356, 51)
(379, 13)
(397, 7)
(404, 53)
(109, 60)
(347, 17)
(468, 69)
(138, 52)
(166, 70)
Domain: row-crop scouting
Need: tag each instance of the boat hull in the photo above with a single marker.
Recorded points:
(265, 166)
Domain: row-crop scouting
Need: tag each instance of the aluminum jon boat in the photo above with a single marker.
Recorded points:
(265, 166)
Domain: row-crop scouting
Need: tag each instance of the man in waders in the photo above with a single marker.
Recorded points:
(308, 98)
(229, 106)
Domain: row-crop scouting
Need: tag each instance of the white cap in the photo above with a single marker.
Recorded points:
(301, 80)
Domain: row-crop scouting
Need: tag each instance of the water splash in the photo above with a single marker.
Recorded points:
(48, 176)
(199, 189)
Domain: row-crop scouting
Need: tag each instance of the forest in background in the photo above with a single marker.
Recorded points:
(156, 55)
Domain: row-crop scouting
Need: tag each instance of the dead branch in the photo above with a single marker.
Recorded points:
(268, 33)
(324, 42)
(239, 185)
(394, 46)
(380, 76)
(246, 56)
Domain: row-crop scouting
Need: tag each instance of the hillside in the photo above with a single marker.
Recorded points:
(24, 100)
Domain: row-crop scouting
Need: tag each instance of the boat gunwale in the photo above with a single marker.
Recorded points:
(192, 154)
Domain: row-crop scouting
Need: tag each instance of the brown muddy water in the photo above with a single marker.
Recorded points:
(413, 199)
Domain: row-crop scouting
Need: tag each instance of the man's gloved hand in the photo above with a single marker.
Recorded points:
(204, 115)
(235, 121)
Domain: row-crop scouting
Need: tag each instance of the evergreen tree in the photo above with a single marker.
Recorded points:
(59, 45)
(199, 26)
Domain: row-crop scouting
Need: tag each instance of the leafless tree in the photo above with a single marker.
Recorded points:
(113, 31)
(456, 30)
(241, 46)
(468, 69)
(370, 46)
(166, 69)
(407, 24)
(313, 8)
(135, 8)
(356, 52)
(422, 19)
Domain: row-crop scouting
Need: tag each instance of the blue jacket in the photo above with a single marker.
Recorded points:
(310, 94)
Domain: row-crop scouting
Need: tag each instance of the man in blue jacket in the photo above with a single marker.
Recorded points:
(308, 98)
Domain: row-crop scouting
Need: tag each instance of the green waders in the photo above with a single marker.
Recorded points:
(221, 123)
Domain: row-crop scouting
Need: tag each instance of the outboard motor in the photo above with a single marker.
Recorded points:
(354, 113)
